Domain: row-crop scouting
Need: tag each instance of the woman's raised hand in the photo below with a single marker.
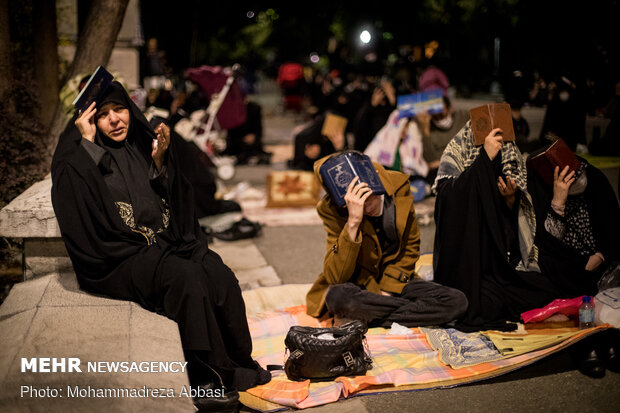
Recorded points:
(561, 184)
(160, 146)
(493, 143)
(86, 123)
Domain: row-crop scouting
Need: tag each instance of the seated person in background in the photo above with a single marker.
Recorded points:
(246, 140)
(311, 144)
(485, 226)
(578, 226)
(398, 146)
(373, 114)
(127, 217)
(520, 125)
(372, 247)
(437, 130)
(566, 114)
(609, 143)
(516, 93)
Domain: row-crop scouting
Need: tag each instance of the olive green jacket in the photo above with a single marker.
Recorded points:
(361, 260)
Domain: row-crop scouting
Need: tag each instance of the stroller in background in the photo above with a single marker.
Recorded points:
(226, 110)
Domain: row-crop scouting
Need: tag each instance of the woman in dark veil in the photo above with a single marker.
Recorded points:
(127, 218)
(578, 220)
(578, 238)
(485, 228)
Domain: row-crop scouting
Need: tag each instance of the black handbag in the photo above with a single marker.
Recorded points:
(314, 358)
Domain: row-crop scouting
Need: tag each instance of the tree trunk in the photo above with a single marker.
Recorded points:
(6, 74)
(45, 44)
(94, 48)
(96, 41)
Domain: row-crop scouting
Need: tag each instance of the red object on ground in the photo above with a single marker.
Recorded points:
(568, 306)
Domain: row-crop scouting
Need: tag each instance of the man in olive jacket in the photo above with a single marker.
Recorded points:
(373, 244)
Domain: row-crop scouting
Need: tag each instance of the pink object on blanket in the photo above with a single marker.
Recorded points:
(566, 306)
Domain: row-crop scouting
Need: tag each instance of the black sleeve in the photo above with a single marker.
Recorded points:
(159, 179)
(95, 151)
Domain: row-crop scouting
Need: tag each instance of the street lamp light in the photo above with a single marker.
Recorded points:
(365, 37)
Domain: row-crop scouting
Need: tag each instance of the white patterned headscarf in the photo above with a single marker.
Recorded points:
(461, 152)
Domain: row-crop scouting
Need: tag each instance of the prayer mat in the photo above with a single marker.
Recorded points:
(400, 363)
(257, 211)
(292, 189)
(458, 349)
(253, 201)
(280, 153)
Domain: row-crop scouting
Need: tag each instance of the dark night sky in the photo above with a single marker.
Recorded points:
(549, 36)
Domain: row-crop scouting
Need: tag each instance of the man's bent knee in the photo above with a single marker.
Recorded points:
(339, 299)
(459, 303)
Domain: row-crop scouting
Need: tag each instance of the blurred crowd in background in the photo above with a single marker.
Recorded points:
(366, 99)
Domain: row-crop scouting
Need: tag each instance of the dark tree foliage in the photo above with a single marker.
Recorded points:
(22, 142)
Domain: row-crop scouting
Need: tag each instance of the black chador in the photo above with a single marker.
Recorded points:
(131, 232)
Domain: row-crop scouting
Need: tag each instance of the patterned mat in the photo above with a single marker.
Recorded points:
(400, 363)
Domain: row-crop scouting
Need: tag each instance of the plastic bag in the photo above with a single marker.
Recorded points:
(607, 307)
(611, 277)
(566, 306)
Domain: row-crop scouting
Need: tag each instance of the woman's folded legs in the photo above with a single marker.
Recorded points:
(205, 300)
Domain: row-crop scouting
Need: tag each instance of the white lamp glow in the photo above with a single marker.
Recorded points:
(365, 37)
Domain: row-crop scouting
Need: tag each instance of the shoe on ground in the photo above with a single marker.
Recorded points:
(227, 205)
(212, 400)
(592, 365)
(588, 358)
(612, 359)
(609, 349)
(242, 229)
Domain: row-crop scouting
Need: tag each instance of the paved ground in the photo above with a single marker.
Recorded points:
(550, 385)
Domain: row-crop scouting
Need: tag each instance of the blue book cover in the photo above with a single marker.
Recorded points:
(338, 172)
(410, 105)
(94, 89)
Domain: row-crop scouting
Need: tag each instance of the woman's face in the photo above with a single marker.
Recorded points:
(113, 121)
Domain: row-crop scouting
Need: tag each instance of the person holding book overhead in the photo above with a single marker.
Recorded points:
(485, 226)
(578, 237)
(578, 218)
(127, 217)
(373, 244)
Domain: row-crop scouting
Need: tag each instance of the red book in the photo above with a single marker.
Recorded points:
(557, 154)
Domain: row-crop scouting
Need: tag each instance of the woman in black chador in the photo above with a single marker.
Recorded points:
(127, 218)
(485, 228)
(512, 243)
(578, 225)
